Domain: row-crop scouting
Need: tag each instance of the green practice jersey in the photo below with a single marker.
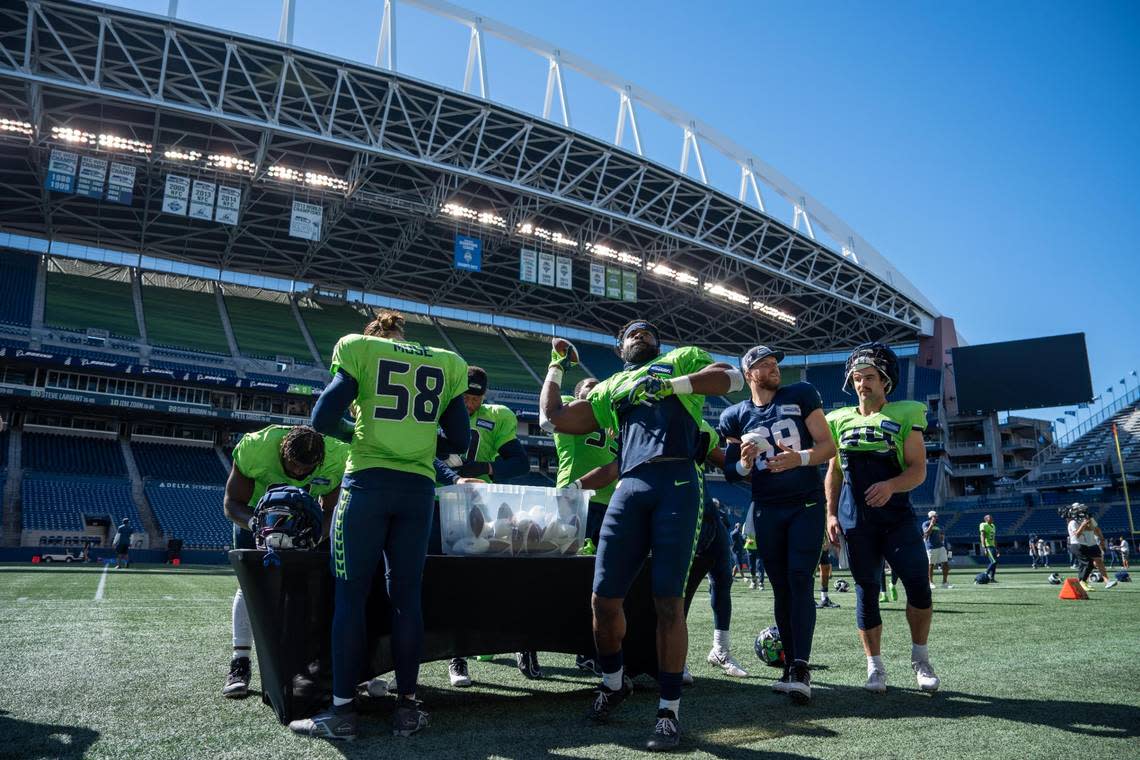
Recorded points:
(871, 448)
(403, 388)
(578, 454)
(258, 457)
(492, 426)
(988, 533)
(668, 428)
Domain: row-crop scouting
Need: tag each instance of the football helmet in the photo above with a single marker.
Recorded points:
(1055, 579)
(842, 585)
(287, 517)
(769, 648)
(877, 355)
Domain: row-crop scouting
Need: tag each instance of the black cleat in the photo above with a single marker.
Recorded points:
(799, 683)
(237, 682)
(826, 604)
(409, 718)
(666, 734)
(606, 699)
(588, 664)
(528, 664)
(328, 724)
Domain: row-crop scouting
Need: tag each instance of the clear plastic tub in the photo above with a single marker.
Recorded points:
(506, 520)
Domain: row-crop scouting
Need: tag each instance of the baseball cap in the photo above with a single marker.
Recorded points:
(932, 513)
(756, 353)
(476, 381)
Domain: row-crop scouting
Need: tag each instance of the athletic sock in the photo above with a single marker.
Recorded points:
(875, 662)
(720, 640)
(240, 652)
(670, 704)
(670, 686)
(612, 670)
(919, 653)
(823, 595)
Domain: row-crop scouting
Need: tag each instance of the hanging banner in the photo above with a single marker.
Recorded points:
(629, 286)
(613, 283)
(306, 221)
(546, 269)
(528, 265)
(597, 280)
(202, 200)
(564, 273)
(92, 177)
(121, 184)
(229, 202)
(176, 197)
(468, 253)
(61, 171)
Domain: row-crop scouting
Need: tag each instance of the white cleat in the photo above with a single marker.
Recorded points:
(457, 673)
(723, 660)
(686, 676)
(927, 681)
(876, 681)
(947, 585)
(1110, 584)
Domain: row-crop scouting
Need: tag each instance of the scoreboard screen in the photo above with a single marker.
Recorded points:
(1022, 374)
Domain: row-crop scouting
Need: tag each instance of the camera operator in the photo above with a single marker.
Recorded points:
(1086, 542)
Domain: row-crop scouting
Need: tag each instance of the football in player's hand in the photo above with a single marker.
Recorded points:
(563, 346)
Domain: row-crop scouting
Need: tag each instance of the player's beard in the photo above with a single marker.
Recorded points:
(638, 353)
(770, 382)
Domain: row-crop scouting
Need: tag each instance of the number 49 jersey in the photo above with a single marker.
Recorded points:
(783, 421)
(403, 388)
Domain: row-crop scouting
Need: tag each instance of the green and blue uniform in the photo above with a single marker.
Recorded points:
(658, 501)
(578, 455)
(987, 532)
(872, 449)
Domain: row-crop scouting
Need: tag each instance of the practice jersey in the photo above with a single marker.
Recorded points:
(492, 426)
(258, 457)
(123, 535)
(872, 447)
(782, 421)
(987, 532)
(578, 454)
(667, 428)
(935, 540)
(403, 388)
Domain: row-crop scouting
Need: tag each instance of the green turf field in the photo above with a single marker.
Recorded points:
(136, 674)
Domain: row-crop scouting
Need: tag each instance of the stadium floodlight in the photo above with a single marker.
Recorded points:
(458, 211)
(326, 181)
(72, 135)
(182, 155)
(601, 249)
(285, 174)
(124, 144)
(674, 274)
(727, 294)
(17, 127)
(230, 163)
(554, 238)
(771, 311)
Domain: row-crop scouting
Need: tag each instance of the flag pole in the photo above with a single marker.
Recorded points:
(1123, 480)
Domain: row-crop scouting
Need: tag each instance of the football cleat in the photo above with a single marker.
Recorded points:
(408, 717)
(780, 685)
(947, 585)
(876, 681)
(237, 682)
(666, 732)
(457, 673)
(723, 660)
(1110, 584)
(588, 664)
(826, 604)
(527, 663)
(327, 724)
(607, 699)
(799, 683)
(927, 681)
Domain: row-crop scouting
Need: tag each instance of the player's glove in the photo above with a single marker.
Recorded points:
(564, 362)
(650, 389)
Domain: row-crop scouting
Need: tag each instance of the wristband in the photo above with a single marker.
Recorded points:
(805, 457)
(577, 484)
(741, 468)
(735, 380)
(554, 375)
(682, 386)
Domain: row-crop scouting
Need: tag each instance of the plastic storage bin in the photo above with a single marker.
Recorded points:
(506, 520)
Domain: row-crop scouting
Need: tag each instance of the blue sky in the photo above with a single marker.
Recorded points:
(991, 150)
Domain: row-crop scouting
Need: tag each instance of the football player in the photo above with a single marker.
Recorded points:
(783, 439)
(277, 455)
(580, 455)
(824, 602)
(881, 459)
(402, 393)
(654, 404)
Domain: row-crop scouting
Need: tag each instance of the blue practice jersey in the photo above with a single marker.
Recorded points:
(123, 535)
(935, 540)
(781, 421)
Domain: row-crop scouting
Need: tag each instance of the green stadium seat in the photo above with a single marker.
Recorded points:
(487, 350)
(537, 355)
(75, 302)
(266, 329)
(328, 324)
(185, 319)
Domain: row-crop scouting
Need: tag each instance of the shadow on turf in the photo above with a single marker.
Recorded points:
(44, 739)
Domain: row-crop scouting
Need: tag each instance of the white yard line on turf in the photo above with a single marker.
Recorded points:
(102, 583)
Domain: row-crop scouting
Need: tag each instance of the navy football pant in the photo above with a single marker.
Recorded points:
(756, 565)
(788, 537)
(991, 554)
(595, 513)
(719, 550)
(382, 514)
(890, 535)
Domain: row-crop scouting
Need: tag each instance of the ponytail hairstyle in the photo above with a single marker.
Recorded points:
(386, 324)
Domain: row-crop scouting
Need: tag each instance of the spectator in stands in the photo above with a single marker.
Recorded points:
(1123, 546)
(935, 548)
(987, 537)
(123, 544)
(276, 455)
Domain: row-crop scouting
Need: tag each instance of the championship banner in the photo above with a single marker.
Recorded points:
(564, 273)
(629, 286)
(613, 283)
(121, 184)
(597, 280)
(176, 196)
(229, 204)
(92, 177)
(468, 253)
(528, 265)
(306, 221)
(202, 200)
(61, 171)
(546, 269)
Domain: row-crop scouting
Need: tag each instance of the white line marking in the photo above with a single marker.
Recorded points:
(102, 584)
(22, 599)
(168, 598)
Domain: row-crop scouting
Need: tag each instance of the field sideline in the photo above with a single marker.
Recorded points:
(137, 673)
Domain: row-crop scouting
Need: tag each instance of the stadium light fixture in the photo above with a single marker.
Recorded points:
(326, 181)
(487, 218)
(230, 163)
(771, 311)
(124, 144)
(16, 127)
(674, 274)
(727, 294)
(182, 155)
(71, 135)
(285, 174)
(554, 238)
(601, 249)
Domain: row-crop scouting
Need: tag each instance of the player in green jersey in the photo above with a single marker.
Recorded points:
(581, 455)
(278, 455)
(402, 393)
(881, 458)
(654, 405)
(987, 537)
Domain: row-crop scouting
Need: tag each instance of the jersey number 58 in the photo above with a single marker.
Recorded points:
(427, 383)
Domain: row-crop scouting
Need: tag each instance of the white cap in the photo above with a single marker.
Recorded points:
(932, 513)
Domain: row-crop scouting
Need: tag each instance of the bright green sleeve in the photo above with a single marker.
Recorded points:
(916, 416)
(246, 453)
(602, 405)
(456, 373)
(345, 357)
(690, 359)
(333, 466)
(714, 437)
(506, 427)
